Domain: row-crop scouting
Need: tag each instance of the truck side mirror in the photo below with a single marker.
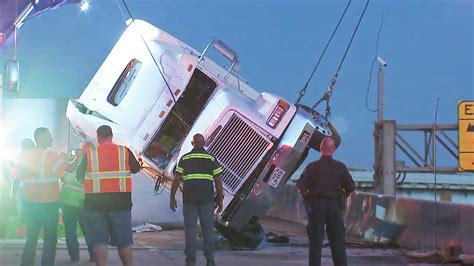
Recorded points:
(11, 78)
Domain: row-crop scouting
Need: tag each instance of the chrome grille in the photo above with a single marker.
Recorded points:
(238, 147)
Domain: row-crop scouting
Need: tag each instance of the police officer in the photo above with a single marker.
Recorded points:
(40, 170)
(324, 185)
(198, 169)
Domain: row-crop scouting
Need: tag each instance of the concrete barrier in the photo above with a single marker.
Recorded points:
(405, 222)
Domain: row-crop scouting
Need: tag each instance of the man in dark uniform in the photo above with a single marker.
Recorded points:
(198, 170)
(324, 185)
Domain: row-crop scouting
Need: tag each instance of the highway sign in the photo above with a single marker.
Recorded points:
(466, 135)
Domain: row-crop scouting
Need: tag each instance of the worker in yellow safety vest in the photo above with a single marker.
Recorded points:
(40, 170)
(72, 202)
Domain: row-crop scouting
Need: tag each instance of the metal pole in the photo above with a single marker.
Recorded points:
(377, 158)
(380, 95)
(388, 157)
(378, 136)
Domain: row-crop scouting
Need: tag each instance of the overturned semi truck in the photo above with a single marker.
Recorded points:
(156, 92)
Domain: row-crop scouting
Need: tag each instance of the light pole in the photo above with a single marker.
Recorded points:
(385, 132)
(382, 65)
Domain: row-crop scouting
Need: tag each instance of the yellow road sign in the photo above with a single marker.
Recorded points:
(466, 135)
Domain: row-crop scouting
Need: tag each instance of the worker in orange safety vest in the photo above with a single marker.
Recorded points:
(40, 170)
(106, 171)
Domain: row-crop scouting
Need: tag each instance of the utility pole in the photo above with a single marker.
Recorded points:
(382, 64)
(384, 136)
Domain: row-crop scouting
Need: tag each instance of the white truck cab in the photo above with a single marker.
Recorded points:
(156, 92)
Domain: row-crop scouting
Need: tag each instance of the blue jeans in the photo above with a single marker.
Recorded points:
(205, 213)
(72, 216)
(20, 200)
(40, 216)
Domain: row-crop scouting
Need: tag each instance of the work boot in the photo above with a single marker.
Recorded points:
(91, 256)
(190, 262)
(210, 263)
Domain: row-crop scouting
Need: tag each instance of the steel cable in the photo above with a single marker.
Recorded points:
(303, 91)
(327, 95)
(372, 69)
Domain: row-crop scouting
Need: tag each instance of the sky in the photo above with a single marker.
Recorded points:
(428, 46)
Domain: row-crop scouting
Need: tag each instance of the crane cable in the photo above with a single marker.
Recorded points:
(303, 90)
(372, 69)
(327, 95)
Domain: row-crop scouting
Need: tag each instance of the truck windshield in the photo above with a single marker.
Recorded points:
(179, 121)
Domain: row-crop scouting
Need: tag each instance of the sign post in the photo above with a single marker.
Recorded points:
(466, 135)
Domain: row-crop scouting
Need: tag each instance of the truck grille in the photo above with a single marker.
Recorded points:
(239, 148)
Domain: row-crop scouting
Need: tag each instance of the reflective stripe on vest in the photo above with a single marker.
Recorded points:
(44, 156)
(198, 176)
(40, 171)
(116, 174)
(73, 187)
(218, 171)
(41, 180)
(72, 192)
(202, 176)
(199, 156)
(108, 170)
(57, 165)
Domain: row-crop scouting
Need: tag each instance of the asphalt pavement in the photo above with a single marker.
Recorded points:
(166, 248)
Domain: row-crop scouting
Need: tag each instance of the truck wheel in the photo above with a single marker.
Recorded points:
(317, 137)
(249, 237)
(323, 129)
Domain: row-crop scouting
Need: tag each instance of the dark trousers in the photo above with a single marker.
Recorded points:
(40, 216)
(205, 213)
(327, 212)
(72, 216)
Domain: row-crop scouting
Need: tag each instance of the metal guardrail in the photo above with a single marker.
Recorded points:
(422, 162)
(420, 186)
(417, 145)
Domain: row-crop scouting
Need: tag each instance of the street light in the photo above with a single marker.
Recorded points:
(382, 64)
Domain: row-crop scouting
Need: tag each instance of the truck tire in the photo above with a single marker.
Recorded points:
(247, 238)
(324, 129)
